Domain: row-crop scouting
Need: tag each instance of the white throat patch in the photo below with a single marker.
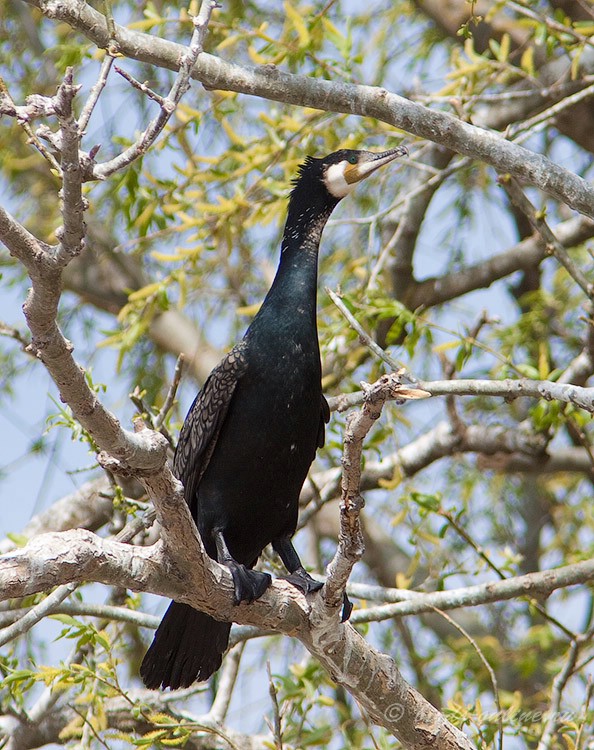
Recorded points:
(335, 181)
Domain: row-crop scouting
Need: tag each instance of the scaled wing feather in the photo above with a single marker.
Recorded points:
(199, 434)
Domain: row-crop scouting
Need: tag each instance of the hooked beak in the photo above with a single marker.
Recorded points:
(369, 162)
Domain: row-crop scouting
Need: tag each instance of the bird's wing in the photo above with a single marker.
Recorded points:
(203, 423)
(324, 419)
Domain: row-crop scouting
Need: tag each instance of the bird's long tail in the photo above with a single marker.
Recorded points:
(188, 647)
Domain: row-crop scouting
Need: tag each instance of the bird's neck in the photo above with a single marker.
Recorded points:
(296, 279)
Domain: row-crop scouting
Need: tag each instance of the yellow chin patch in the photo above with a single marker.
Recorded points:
(352, 174)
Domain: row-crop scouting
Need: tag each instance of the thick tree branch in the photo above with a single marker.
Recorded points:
(439, 442)
(381, 690)
(270, 83)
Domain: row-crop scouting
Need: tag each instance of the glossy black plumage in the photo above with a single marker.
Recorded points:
(253, 430)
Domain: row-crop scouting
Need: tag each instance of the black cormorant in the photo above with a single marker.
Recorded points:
(253, 430)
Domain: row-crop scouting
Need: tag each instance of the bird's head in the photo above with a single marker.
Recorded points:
(342, 170)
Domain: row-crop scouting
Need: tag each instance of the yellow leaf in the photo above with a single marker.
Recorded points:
(431, 538)
(72, 729)
(399, 517)
(527, 61)
(445, 346)
(226, 205)
(207, 159)
(255, 57)
(187, 220)
(232, 135)
(585, 28)
(543, 361)
(145, 292)
(292, 124)
(191, 112)
(295, 17)
(229, 42)
(144, 215)
(449, 90)
(466, 70)
(575, 64)
(249, 309)
(146, 24)
(161, 718)
(167, 257)
(402, 582)
(329, 26)
(504, 48)
(267, 120)
(170, 209)
(391, 484)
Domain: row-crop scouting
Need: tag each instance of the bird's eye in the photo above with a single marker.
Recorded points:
(353, 159)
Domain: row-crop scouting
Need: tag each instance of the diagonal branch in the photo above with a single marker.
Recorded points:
(526, 254)
(539, 224)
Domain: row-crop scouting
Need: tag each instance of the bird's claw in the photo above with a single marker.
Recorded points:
(249, 584)
(347, 608)
(301, 579)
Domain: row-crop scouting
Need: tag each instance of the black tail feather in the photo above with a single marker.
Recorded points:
(188, 647)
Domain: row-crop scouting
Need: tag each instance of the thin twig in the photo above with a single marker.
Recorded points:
(95, 93)
(549, 22)
(85, 609)
(559, 684)
(405, 602)
(488, 667)
(171, 393)
(586, 703)
(363, 335)
(24, 115)
(111, 26)
(226, 683)
(463, 534)
(170, 102)
(429, 185)
(37, 613)
(277, 729)
(141, 86)
(55, 599)
(527, 128)
(14, 333)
